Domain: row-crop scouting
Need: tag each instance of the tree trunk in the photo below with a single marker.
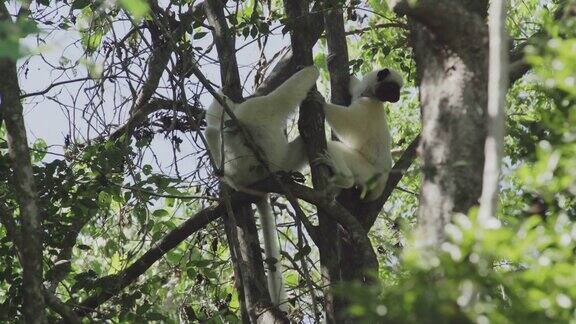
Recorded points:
(24, 186)
(449, 42)
(497, 86)
(311, 127)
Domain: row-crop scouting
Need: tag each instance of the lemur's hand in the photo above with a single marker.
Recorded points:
(324, 159)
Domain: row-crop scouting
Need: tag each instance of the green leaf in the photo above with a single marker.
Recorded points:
(199, 35)
(80, 4)
(39, 150)
(147, 169)
(104, 199)
(160, 213)
(138, 8)
(91, 39)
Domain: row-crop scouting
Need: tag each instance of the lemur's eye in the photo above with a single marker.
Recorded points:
(383, 74)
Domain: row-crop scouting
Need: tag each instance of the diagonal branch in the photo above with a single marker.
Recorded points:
(168, 242)
(225, 46)
(160, 56)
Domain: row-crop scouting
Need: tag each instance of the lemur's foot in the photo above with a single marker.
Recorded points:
(288, 176)
(372, 189)
(324, 159)
(332, 189)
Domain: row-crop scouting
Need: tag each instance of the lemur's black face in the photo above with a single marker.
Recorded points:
(386, 90)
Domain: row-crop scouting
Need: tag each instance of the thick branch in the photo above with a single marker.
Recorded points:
(244, 243)
(337, 54)
(67, 313)
(334, 247)
(140, 116)
(311, 127)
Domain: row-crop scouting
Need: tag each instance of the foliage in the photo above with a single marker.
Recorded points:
(510, 273)
(10, 35)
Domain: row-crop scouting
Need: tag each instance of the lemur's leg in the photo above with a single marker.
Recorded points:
(280, 103)
(214, 144)
(295, 155)
(343, 176)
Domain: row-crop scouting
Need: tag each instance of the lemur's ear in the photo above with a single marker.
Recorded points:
(355, 87)
(383, 74)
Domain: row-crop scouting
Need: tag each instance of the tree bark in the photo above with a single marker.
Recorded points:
(338, 68)
(24, 186)
(497, 86)
(449, 39)
(311, 127)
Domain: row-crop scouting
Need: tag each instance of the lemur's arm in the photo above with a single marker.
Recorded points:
(341, 119)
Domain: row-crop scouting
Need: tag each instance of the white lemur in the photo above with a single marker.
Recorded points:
(265, 119)
(363, 156)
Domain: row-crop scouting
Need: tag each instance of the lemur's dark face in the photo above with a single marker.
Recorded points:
(387, 89)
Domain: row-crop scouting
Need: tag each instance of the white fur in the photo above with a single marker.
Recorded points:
(363, 156)
(265, 119)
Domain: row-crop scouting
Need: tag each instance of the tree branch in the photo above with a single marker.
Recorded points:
(244, 243)
(67, 313)
(160, 56)
(338, 68)
(226, 48)
(140, 116)
(497, 89)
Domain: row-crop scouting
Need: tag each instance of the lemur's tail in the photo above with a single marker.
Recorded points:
(272, 252)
